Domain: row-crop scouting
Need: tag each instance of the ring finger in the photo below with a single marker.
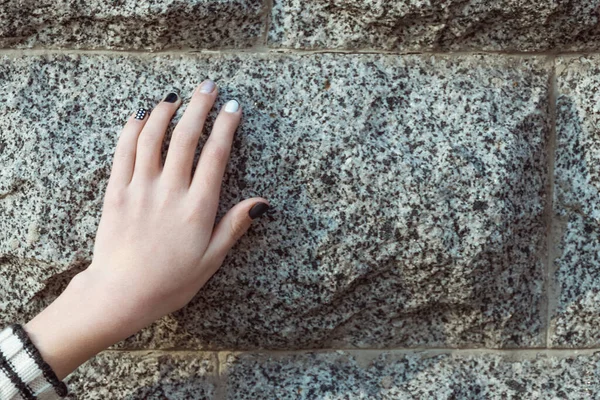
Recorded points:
(149, 144)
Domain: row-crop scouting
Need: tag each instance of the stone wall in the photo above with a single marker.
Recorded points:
(434, 169)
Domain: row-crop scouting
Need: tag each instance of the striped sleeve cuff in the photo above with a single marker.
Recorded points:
(23, 372)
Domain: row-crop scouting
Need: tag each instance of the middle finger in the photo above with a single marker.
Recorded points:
(180, 157)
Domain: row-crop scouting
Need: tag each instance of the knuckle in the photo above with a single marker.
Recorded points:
(184, 139)
(193, 216)
(141, 202)
(123, 152)
(164, 109)
(227, 122)
(201, 99)
(147, 139)
(169, 195)
(237, 227)
(197, 208)
(206, 180)
(115, 198)
(217, 154)
(140, 194)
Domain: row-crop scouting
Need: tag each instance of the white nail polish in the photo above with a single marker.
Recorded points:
(207, 86)
(232, 106)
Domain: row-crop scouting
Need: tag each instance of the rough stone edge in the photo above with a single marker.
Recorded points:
(562, 63)
(364, 358)
(214, 378)
(368, 354)
(261, 49)
(517, 353)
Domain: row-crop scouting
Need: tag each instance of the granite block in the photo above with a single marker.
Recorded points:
(415, 25)
(155, 25)
(408, 194)
(122, 375)
(576, 298)
(423, 375)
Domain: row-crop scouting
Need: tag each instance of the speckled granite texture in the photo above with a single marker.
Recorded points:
(130, 24)
(415, 25)
(156, 376)
(421, 202)
(408, 194)
(424, 375)
(576, 318)
(398, 25)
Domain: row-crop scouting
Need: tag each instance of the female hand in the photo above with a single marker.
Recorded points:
(156, 244)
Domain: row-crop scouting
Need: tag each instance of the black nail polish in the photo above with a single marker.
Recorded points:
(141, 113)
(171, 98)
(258, 210)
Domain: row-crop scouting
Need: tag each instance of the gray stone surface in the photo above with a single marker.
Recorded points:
(415, 25)
(122, 375)
(576, 305)
(408, 194)
(425, 375)
(129, 24)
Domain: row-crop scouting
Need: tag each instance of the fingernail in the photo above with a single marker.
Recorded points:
(258, 210)
(141, 113)
(207, 86)
(171, 98)
(232, 106)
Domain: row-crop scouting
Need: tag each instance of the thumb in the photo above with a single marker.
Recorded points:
(230, 229)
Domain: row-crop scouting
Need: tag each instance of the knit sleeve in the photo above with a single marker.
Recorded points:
(23, 372)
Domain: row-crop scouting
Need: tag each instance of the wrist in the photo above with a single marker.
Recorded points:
(107, 302)
(84, 320)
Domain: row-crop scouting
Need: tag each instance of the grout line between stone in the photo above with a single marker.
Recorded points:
(550, 243)
(221, 355)
(430, 52)
(220, 383)
(268, 4)
(265, 50)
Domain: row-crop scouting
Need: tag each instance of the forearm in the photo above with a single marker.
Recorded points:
(84, 320)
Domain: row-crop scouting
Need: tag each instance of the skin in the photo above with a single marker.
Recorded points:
(156, 244)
